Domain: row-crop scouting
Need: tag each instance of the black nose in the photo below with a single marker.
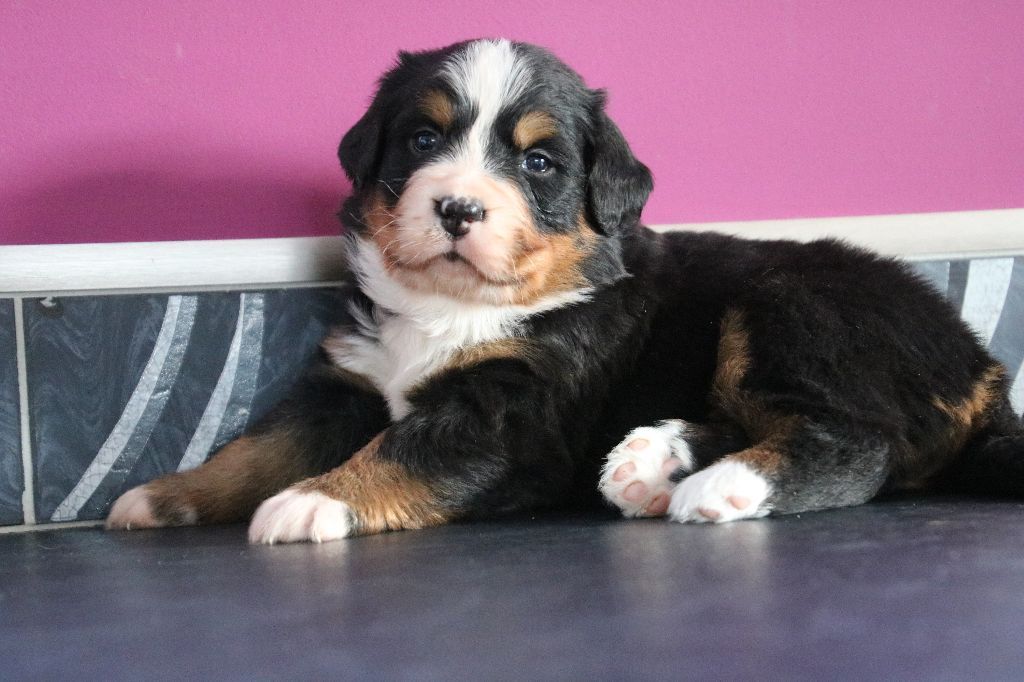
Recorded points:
(457, 213)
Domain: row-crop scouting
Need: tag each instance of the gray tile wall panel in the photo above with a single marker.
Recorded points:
(1008, 339)
(125, 386)
(936, 272)
(998, 300)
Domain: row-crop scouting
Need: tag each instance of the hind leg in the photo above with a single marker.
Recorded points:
(794, 462)
(992, 461)
(325, 420)
(806, 466)
(993, 466)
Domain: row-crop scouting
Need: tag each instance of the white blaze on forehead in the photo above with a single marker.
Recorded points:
(490, 74)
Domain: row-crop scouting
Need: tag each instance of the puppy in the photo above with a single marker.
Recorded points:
(511, 320)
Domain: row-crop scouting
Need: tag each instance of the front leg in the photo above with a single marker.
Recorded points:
(476, 442)
(328, 416)
(370, 493)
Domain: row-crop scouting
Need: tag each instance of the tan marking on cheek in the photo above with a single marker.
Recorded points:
(533, 127)
(972, 412)
(436, 106)
(382, 228)
(550, 264)
(382, 494)
(564, 259)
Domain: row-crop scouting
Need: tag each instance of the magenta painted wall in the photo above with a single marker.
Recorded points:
(126, 121)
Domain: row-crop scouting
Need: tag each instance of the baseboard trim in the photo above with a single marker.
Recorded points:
(915, 236)
(36, 527)
(309, 261)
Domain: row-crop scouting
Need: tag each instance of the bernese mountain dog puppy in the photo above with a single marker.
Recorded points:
(511, 320)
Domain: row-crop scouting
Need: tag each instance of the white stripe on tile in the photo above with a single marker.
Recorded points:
(143, 408)
(247, 377)
(988, 281)
(248, 339)
(28, 494)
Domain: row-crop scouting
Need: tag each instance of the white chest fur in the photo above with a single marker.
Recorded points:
(396, 352)
(412, 335)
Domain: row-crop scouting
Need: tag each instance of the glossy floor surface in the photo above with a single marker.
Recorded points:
(910, 589)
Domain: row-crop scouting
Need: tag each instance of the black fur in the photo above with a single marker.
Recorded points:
(855, 368)
(617, 183)
(855, 346)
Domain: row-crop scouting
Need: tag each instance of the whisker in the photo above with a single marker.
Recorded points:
(382, 228)
(390, 189)
(356, 218)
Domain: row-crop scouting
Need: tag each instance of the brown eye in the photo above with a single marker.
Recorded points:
(425, 141)
(537, 163)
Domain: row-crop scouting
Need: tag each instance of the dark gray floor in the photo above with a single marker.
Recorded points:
(894, 590)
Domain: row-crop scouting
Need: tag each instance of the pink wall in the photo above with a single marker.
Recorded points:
(125, 120)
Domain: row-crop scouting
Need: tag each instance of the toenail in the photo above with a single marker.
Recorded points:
(624, 472)
(635, 491)
(658, 506)
(638, 444)
(739, 502)
(709, 514)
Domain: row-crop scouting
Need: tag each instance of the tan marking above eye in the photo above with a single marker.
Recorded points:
(532, 127)
(436, 106)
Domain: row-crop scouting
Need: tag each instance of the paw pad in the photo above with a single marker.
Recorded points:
(636, 474)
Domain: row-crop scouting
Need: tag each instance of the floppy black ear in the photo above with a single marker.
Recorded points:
(617, 183)
(360, 148)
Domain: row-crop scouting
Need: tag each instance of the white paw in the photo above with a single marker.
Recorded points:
(635, 477)
(297, 516)
(132, 510)
(725, 491)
